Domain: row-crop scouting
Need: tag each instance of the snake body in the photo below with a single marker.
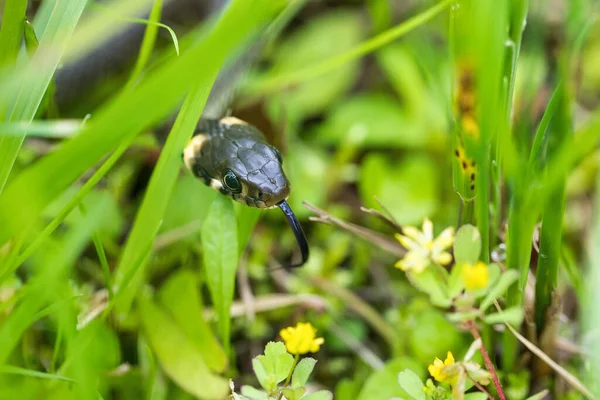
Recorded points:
(233, 157)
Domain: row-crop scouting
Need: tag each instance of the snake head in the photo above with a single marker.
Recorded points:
(233, 158)
(261, 181)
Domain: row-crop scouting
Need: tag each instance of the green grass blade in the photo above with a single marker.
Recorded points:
(277, 83)
(48, 129)
(120, 120)
(246, 16)
(221, 256)
(147, 43)
(66, 210)
(60, 27)
(11, 31)
(13, 370)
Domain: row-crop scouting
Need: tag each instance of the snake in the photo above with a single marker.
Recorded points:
(233, 157)
(227, 154)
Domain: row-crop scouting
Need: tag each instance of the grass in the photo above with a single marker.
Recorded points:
(82, 201)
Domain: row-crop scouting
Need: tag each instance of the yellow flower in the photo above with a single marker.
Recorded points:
(475, 276)
(423, 248)
(301, 339)
(443, 371)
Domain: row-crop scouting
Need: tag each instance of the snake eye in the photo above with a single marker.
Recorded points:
(232, 182)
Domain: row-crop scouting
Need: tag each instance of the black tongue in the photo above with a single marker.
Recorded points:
(298, 232)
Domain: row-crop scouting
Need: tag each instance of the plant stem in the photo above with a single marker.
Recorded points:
(486, 358)
(478, 386)
(289, 377)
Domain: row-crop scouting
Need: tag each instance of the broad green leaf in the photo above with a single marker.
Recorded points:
(294, 393)
(456, 284)
(347, 389)
(467, 245)
(409, 189)
(430, 282)
(499, 287)
(306, 165)
(180, 297)
(475, 396)
(253, 393)
(412, 384)
(277, 361)
(266, 381)
(383, 384)
(513, 316)
(322, 36)
(181, 360)
(319, 395)
(431, 335)
(190, 202)
(247, 217)
(220, 255)
(302, 371)
(380, 118)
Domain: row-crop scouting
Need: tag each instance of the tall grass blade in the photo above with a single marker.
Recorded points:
(60, 27)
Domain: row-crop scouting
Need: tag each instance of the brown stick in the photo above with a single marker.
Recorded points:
(487, 360)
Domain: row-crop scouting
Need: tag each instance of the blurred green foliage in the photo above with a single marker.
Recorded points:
(195, 291)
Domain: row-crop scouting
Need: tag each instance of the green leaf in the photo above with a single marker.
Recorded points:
(190, 201)
(319, 395)
(262, 376)
(430, 282)
(456, 284)
(409, 189)
(120, 119)
(220, 255)
(293, 393)
(467, 245)
(425, 339)
(376, 117)
(322, 36)
(412, 384)
(13, 18)
(513, 315)
(475, 396)
(253, 393)
(463, 316)
(179, 357)
(60, 28)
(383, 384)
(277, 361)
(498, 288)
(302, 371)
(247, 217)
(180, 297)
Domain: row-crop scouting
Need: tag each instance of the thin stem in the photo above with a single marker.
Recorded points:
(486, 358)
(280, 82)
(478, 385)
(289, 377)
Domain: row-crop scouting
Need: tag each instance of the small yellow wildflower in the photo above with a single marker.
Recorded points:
(443, 371)
(301, 339)
(423, 248)
(475, 276)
